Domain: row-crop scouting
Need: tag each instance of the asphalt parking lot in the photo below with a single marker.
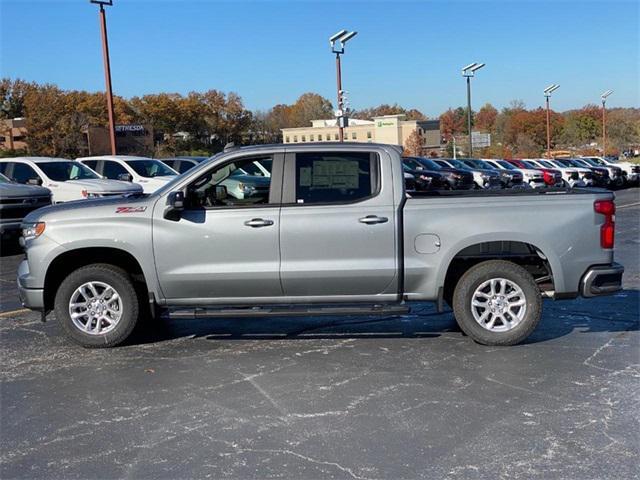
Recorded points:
(356, 397)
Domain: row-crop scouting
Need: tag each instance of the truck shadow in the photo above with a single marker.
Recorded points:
(617, 313)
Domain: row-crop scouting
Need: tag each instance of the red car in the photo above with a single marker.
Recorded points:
(551, 177)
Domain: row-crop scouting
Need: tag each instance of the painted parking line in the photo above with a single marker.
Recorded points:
(628, 205)
(13, 312)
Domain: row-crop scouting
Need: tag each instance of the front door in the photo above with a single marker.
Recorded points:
(222, 248)
(338, 229)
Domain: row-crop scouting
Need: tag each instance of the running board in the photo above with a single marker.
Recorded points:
(285, 311)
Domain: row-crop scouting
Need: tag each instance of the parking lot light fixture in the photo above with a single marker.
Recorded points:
(107, 70)
(468, 72)
(603, 97)
(547, 94)
(337, 42)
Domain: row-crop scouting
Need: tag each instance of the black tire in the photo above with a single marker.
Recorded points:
(483, 272)
(119, 280)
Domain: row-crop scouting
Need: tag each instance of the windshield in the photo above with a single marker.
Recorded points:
(429, 164)
(477, 164)
(150, 168)
(590, 161)
(564, 163)
(576, 163)
(596, 161)
(459, 164)
(507, 165)
(412, 163)
(547, 164)
(63, 171)
(529, 164)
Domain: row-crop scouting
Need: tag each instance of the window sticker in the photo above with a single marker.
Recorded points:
(334, 174)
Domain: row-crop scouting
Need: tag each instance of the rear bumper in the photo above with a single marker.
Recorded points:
(602, 280)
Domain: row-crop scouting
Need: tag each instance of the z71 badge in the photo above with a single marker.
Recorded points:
(130, 209)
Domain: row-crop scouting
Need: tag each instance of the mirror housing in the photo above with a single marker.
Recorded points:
(175, 205)
(125, 177)
(34, 181)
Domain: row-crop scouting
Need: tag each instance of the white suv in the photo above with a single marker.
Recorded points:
(67, 179)
(149, 173)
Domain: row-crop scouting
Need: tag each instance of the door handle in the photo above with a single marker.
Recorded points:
(373, 219)
(258, 222)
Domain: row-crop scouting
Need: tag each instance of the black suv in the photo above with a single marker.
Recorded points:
(452, 178)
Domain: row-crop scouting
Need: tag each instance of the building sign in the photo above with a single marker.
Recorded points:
(133, 139)
(382, 123)
(129, 128)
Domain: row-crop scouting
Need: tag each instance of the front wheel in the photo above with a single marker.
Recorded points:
(97, 306)
(497, 303)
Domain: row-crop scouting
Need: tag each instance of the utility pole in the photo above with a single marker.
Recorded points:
(547, 94)
(468, 72)
(107, 70)
(337, 43)
(604, 121)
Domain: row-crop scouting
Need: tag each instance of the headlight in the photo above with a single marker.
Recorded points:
(244, 188)
(31, 231)
(485, 176)
(87, 194)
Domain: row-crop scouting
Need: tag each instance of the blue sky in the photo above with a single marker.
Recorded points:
(271, 52)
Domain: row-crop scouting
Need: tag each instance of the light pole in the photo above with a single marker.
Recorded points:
(107, 70)
(337, 42)
(604, 121)
(547, 94)
(468, 72)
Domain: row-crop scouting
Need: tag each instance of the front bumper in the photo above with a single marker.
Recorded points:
(602, 280)
(32, 298)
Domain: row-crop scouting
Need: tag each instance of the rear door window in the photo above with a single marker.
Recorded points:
(92, 164)
(22, 173)
(335, 177)
(112, 170)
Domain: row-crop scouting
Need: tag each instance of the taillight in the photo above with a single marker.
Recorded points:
(84, 193)
(607, 230)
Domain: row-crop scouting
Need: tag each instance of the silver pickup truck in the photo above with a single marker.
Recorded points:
(334, 233)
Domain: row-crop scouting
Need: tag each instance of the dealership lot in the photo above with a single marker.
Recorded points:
(356, 397)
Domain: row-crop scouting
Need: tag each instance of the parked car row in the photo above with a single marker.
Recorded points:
(63, 180)
(466, 173)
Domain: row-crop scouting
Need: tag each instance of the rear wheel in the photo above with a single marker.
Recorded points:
(497, 303)
(97, 306)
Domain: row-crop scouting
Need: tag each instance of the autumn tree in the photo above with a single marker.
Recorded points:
(413, 144)
(12, 97)
(582, 126)
(453, 122)
(386, 109)
(309, 106)
(486, 118)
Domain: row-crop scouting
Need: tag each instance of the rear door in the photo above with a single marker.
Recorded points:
(337, 225)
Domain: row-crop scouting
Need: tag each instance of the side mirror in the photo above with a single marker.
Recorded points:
(175, 205)
(34, 181)
(125, 177)
(221, 192)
